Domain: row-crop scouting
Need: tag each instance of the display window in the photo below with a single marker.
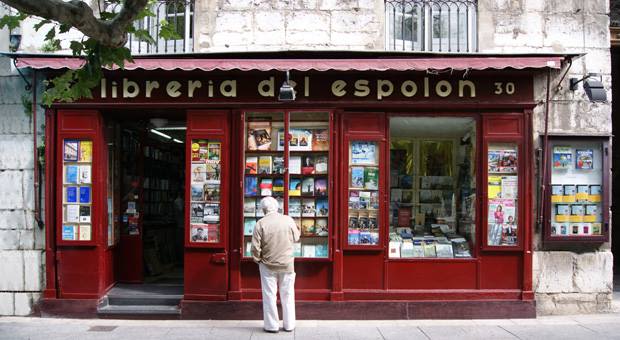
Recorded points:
(205, 191)
(432, 185)
(77, 190)
(502, 194)
(295, 173)
(576, 198)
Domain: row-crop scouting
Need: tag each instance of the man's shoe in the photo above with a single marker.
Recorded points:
(271, 330)
(288, 330)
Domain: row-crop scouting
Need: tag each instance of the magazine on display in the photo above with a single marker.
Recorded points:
(562, 157)
(69, 233)
(214, 151)
(196, 192)
(211, 213)
(70, 151)
(84, 194)
(211, 192)
(71, 194)
(584, 159)
(84, 214)
(84, 174)
(508, 187)
(199, 233)
(85, 232)
(508, 161)
(86, 151)
(357, 177)
(72, 213)
(71, 174)
(371, 178)
(364, 153)
(198, 173)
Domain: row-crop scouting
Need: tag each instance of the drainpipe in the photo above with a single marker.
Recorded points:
(37, 187)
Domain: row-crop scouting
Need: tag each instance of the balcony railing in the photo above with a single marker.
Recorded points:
(180, 17)
(431, 25)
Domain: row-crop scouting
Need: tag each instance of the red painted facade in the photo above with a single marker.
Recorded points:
(218, 272)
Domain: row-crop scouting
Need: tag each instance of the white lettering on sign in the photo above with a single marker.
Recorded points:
(266, 88)
(172, 89)
(507, 88)
(150, 86)
(361, 88)
(192, 85)
(228, 88)
(338, 88)
(130, 89)
(384, 88)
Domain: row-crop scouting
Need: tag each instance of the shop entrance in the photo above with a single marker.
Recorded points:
(146, 175)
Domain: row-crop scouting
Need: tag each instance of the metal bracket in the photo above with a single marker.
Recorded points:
(28, 86)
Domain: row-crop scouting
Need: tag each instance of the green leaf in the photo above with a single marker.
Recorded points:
(64, 28)
(40, 24)
(12, 21)
(51, 34)
(143, 35)
(51, 45)
(76, 47)
(167, 31)
(107, 15)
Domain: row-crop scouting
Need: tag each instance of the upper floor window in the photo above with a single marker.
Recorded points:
(171, 15)
(431, 25)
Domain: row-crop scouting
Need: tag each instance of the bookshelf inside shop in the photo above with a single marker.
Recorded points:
(297, 172)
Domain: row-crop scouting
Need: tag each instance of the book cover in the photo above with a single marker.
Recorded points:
(250, 186)
(85, 232)
(69, 232)
(460, 247)
(394, 249)
(364, 153)
(251, 165)
(307, 165)
(214, 151)
(562, 157)
(353, 222)
(569, 193)
(249, 207)
(84, 174)
(595, 193)
(198, 173)
(320, 187)
(357, 177)
(322, 207)
(212, 174)
(353, 236)
(307, 227)
(211, 213)
(278, 165)
(308, 207)
(294, 165)
(321, 250)
(301, 140)
(259, 210)
(266, 187)
(71, 194)
(582, 193)
(260, 132)
(85, 214)
(70, 151)
(307, 186)
(320, 139)
(406, 249)
(495, 187)
(320, 164)
(493, 161)
(308, 250)
(196, 192)
(365, 237)
(71, 174)
(265, 165)
(429, 249)
(576, 213)
(418, 248)
(396, 195)
(211, 192)
(371, 178)
(248, 249)
(294, 207)
(297, 249)
(198, 233)
(196, 210)
(354, 200)
(294, 187)
(86, 151)
(444, 249)
(320, 225)
(84, 194)
(584, 159)
(72, 213)
(404, 216)
(278, 186)
(362, 221)
(590, 213)
(248, 226)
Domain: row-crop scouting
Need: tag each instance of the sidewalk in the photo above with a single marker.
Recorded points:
(598, 326)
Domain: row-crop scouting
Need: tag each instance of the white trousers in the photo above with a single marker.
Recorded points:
(270, 281)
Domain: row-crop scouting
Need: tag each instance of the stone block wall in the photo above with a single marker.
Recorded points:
(565, 281)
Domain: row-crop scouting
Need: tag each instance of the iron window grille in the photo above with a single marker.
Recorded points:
(180, 16)
(431, 25)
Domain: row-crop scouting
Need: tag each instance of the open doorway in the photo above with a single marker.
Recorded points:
(147, 157)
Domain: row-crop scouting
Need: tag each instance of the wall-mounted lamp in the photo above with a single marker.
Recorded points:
(287, 93)
(15, 40)
(593, 87)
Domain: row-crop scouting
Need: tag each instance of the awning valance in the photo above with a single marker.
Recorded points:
(300, 64)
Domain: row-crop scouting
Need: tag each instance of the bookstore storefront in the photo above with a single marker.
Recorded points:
(412, 187)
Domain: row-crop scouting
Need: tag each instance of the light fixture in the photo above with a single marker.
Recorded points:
(15, 40)
(287, 93)
(594, 88)
(160, 134)
(177, 141)
(158, 122)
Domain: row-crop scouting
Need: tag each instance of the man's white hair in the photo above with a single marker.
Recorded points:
(269, 205)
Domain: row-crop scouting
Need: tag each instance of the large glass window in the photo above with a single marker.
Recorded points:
(432, 187)
(431, 25)
(296, 175)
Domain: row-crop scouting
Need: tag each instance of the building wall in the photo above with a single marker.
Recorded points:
(564, 281)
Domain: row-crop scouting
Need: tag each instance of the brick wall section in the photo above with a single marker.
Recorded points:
(21, 242)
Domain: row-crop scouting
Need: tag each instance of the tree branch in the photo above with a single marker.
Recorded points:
(111, 33)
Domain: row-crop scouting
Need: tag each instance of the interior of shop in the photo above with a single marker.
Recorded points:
(146, 154)
(432, 185)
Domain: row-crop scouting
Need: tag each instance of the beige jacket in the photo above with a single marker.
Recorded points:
(272, 242)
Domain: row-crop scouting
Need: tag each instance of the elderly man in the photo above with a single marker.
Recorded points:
(272, 249)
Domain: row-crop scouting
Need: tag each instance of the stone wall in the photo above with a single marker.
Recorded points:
(565, 282)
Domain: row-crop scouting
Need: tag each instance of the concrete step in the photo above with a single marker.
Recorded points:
(139, 312)
(144, 300)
